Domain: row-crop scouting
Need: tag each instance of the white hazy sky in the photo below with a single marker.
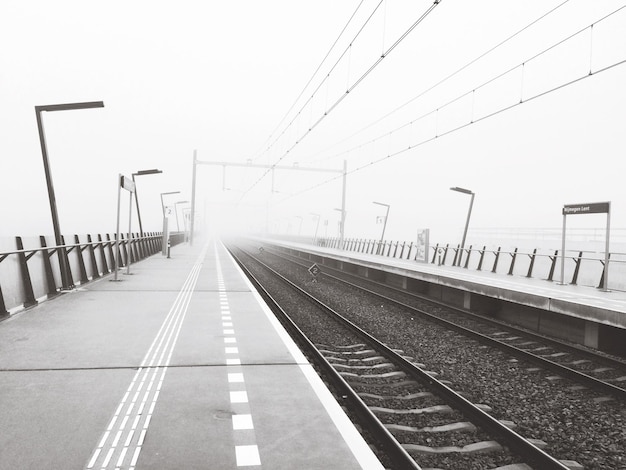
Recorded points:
(220, 77)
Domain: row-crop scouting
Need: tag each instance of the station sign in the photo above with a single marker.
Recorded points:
(590, 208)
(127, 184)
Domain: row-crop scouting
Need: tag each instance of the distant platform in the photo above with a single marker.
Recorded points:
(595, 317)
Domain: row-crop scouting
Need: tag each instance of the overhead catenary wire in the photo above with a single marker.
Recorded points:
(325, 80)
(523, 100)
(521, 66)
(443, 80)
(315, 72)
(349, 90)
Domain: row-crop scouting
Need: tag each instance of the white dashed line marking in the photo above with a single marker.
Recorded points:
(248, 454)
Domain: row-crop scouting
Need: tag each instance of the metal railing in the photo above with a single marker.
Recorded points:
(582, 267)
(30, 274)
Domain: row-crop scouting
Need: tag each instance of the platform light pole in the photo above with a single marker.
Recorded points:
(141, 173)
(62, 253)
(382, 237)
(469, 213)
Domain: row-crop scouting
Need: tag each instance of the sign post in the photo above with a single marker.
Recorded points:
(129, 185)
(588, 208)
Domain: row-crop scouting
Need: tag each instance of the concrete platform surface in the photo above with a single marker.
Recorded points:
(177, 365)
(588, 303)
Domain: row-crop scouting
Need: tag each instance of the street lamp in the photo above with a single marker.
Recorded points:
(141, 173)
(176, 211)
(62, 253)
(382, 237)
(469, 213)
(162, 203)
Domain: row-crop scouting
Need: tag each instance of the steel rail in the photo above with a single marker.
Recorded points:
(581, 377)
(383, 436)
(519, 444)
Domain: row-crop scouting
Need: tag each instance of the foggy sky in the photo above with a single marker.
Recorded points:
(220, 78)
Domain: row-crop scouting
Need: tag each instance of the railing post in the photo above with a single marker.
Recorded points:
(482, 257)
(434, 254)
(457, 255)
(111, 255)
(553, 258)
(601, 285)
(81, 262)
(445, 254)
(513, 256)
(103, 256)
(577, 268)
(469, 252)
(47, 266)
(3, 309)
(495, 262)
(95, 272)
(68, 274)
(29, 295)
(532, 263)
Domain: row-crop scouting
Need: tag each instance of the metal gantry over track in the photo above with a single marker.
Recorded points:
(224, 164)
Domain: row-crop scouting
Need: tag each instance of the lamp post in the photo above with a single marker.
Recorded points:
(62, 253)
(176, 211)
(382, 237)
(162, 203)
(457, 259)
(141, 173)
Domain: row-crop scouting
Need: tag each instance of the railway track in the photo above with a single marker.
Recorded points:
(605, 374)
(417, 420)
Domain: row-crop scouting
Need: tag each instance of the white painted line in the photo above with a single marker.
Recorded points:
(247, 456)
(117, 438)
(133, 462)
(230, 340)
(229, 332)
(242, 422)
(235, 378)
(93, 459)
(227, 324)
(104, 439)
(108, 458)
(360, 449)
(233, 362)
(226, 317)
(129, 438)
(239, 397)
(231, 350)
(120, 461)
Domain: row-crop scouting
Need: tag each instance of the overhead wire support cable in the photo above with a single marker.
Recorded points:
(482, 118)
(487, 82)
(326, 78)
(318, 68)
(456, 72)
(354, 85)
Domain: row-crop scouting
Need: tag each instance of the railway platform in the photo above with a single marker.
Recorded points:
(178, 364)
(585, 315)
